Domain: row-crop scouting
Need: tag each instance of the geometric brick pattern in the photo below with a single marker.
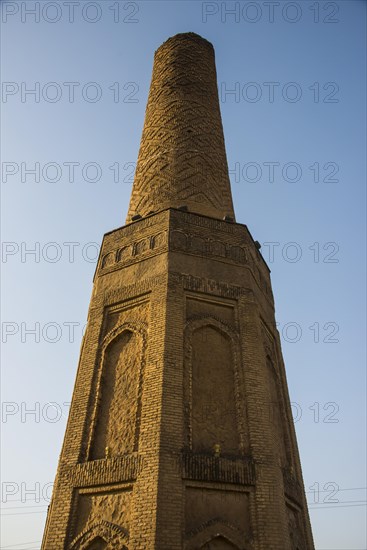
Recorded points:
(182, 159)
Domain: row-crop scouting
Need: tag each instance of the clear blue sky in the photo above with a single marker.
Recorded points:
(298, 81)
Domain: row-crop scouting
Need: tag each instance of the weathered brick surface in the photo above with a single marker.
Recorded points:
(181, 318)
(182, 159)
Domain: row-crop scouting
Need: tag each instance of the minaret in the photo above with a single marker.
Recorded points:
(180, 433)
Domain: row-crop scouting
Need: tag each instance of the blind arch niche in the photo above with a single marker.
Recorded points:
(118, 406)
(213, 409)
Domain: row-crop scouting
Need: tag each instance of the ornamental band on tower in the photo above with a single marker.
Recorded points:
(180, 433)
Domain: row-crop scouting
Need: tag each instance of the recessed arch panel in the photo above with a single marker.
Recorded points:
(116, 430)
(213, 404)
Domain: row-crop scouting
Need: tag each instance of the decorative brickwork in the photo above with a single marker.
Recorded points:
(117, 414)
(180, 433)
(182, 158)
(240, 471)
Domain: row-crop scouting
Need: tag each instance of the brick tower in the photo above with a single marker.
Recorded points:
(180, 433)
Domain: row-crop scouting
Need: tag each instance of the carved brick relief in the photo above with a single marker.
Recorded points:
(101, 507)
(108, 259)
(134, 250)
(134, 311)
(212, 287)
(119, 394)
(123, 254)
(196, 244)
(111, 538)
(158, 240)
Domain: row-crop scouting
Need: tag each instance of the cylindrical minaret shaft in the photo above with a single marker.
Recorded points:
(182, 159)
